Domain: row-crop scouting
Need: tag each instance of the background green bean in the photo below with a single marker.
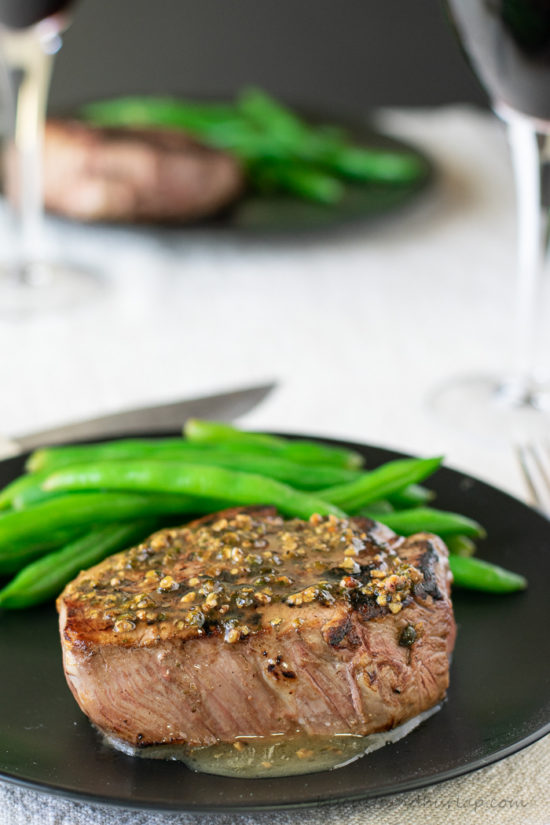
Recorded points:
(298, 178)
(278, 150)
(327, 149)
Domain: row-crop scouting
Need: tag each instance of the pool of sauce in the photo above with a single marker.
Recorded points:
(272, 756)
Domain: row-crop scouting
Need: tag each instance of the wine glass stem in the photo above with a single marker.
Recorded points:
(29, 140)
(31, 64)
(526, 150)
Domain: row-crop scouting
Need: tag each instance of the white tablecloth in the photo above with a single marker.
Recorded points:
(356, 326)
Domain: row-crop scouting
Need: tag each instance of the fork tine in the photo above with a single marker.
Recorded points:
(526, 465)
(541, 452)
(534, 460)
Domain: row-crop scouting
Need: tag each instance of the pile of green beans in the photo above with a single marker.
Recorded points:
(77, 504)
(279, 151)
(41, 580)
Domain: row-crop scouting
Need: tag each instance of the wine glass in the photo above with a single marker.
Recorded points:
(33, 279)
(508, 45)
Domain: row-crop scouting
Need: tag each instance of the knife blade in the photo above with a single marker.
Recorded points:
(223, 406)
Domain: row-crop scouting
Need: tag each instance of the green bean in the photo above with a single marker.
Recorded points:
(378, 509)
(411, 496)
(50, 458)
(414, 495)
(278, 150)
(45, 578)
(270, 116)
(460, 545)
(31, 496)
(305, 453)
(160, 111)
(26, 491)
(301, 451)
(372, 165)
(306, 477)
(218, 125)
(429, 520)
(191, 480)
(19, 487)
(298, 178)
(476, 574)
(323, 148)
(243, 141)
(26, 534)
(380, 483)
(301, 476)
(15, 556)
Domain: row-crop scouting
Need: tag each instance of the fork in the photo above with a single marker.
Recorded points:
(534, 460)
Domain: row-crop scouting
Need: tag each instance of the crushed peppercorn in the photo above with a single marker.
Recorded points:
(225, 575)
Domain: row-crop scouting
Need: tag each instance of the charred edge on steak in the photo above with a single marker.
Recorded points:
(426, 564)
(341, 634)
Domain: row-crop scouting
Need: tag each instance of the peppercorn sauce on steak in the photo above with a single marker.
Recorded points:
(243, 627)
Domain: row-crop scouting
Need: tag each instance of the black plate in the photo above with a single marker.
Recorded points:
(258, 215)
(499, 700)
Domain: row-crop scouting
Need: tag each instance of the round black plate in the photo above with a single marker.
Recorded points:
(498, 702)
(258, 215)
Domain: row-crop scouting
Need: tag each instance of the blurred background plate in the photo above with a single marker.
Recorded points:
(307, 51)
(269, 214)
(280, 213)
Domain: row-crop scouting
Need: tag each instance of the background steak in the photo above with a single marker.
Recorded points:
(93, 174)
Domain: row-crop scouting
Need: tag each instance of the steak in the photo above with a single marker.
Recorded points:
(244, 624)
(128, 174)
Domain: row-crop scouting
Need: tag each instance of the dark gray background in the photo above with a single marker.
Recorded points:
(336, 55)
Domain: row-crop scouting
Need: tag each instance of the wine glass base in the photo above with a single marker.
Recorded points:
(493, 408)
(38, 288)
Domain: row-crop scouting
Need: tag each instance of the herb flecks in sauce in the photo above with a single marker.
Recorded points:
(229, 575)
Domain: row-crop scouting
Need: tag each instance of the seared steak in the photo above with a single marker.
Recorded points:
(243, 624)
(134, 174)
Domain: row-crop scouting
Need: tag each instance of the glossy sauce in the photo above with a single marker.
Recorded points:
(272, 756)
(233, 575)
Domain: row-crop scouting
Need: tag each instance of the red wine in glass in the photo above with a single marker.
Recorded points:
(507, 43)
(20, 14)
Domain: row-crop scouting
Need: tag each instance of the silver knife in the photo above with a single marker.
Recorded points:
(164, 418)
